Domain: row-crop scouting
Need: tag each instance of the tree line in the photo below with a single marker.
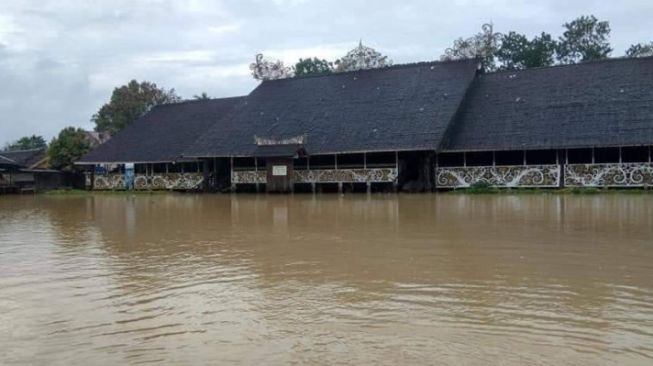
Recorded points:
(585, 38)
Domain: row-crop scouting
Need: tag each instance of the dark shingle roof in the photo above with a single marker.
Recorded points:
(404, 107)
(24, 158)
(599, 103)
(6, 162)
(163, 133)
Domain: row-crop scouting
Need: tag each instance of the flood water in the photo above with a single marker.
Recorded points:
(113, 279)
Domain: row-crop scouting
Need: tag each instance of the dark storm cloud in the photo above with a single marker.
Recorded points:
(60, 60)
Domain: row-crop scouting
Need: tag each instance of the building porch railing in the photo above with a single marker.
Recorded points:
(543, 176)
(153, 182)
(499, 176)
(609, 175)
(372, 175)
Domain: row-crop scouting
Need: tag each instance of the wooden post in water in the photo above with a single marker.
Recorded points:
(256, 170)
(205, 173)
(231, 174)
(395, 184)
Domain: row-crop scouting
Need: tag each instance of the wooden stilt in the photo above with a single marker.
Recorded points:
(231, 174)
(256, 170)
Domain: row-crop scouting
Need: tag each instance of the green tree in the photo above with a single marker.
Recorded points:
(313, 66)
(640, 50)
(27, 143)
(518, 52)
(128, 103)
(70, 145)
(585, 39)
(483, 46)
(202, 96)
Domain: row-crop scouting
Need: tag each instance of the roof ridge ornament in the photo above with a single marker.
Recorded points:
(268, 141)
(362, 58)
(263, 69)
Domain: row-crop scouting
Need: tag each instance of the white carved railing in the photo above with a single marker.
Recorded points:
(321, 176)
(609, 175)
(346, 175)
(248, 176)
(109, 182)
(499, 176)
(164, 181)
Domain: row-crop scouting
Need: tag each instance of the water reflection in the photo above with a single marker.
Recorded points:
(445, 279)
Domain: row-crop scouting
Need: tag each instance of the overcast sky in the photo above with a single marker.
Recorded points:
(60, 60)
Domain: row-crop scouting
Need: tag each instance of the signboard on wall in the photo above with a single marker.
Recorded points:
(279, 170)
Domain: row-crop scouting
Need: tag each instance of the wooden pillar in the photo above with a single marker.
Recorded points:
(256, 170)
(435, 172)
(231, 175)
(428, 179)
(214, 186)
(561, 182)
(93, 175)
(395, 184)
(205, 173)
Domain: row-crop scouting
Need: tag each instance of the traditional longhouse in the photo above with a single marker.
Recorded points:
(415, 127)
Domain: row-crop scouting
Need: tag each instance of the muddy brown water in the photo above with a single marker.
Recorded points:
(383, 279)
